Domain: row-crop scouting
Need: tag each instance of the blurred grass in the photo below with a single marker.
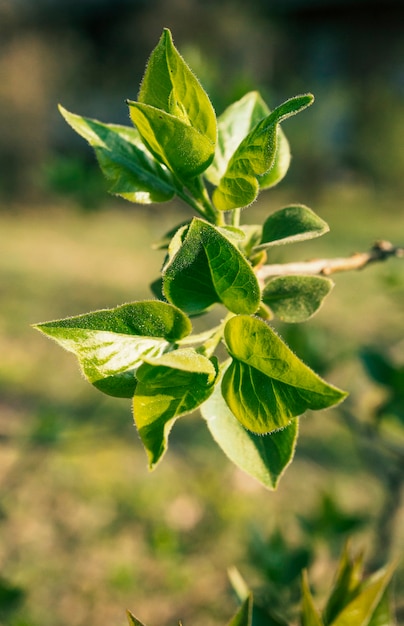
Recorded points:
(86, 531)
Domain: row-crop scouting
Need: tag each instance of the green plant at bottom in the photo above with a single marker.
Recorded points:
(354, 600)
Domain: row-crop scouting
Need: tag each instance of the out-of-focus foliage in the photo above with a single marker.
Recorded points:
(350, 54)
(354, 599)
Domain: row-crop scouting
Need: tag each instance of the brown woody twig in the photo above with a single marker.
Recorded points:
(380, 251)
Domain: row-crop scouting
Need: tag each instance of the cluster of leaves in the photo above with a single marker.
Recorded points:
(353, 600)
(146, 350)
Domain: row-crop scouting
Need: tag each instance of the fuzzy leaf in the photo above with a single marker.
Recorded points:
(233, 125)
(205, 268)
(124, 160)
(172, 141)
(254, 157)
(111, 344)
(266, 385)
(296, 298)
(173, 114)
(168, 387)
(291, 224)
(169, 84)
(280, 164)
(265, 458)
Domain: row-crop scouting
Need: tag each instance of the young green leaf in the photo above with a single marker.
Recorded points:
(172, 141)
(383, 615)
(346, 587)
(169, 84)
(280, 163)
(266, 385)
(234, 124)
(168, 387)
(254, 157)
(243, 617)
(309, 614)
(296, 298)
(111, 344)
(133, 621)
(265, 458)
(173, 114)
(291, 224)
(205, 268)
(362, 609)
(132, 171)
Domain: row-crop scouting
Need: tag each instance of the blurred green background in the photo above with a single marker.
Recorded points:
(85, 530)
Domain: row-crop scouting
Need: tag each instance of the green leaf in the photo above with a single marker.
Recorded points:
(346, 586)
(168, 387)
(296, 298)
(265, 458)
(205, 268)
(383, 614)
(266, 385)
(254, 157)
(309, 614)
(172, 141)
(169, 84)
(243, 617)
(173, 114)
(280, 164)
(133, 621)
(132, 171)
(291, 224)
(111, 344)
(361, 610)
(234, 124)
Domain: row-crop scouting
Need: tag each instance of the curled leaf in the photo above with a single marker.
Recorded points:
(265, 458)
(205, 268)
(254, 157)
(266, 385)
(168, 387)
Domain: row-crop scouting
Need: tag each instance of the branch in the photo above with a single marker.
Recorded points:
(380, 251)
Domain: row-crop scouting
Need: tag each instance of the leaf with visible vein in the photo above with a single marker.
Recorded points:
(169, 387)
(265, 458)
(111, 344)
(266, 385)
(205, 268)
(124, 160)
(174, 115)
(234, 124)
(254, 157)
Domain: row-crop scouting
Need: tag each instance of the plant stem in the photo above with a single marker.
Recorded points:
(380, 251)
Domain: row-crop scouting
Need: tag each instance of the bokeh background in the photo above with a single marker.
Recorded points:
(85, 530)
